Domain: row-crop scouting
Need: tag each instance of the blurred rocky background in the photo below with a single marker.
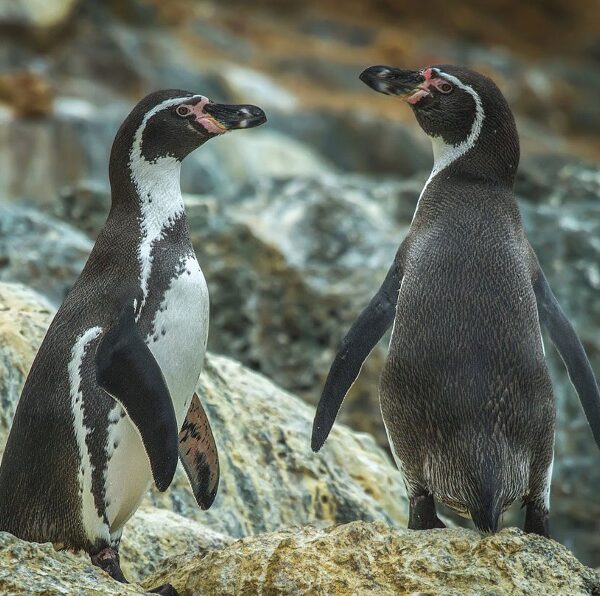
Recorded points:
(296, 223)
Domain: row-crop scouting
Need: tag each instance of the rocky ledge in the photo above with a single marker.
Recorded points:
(355, 558)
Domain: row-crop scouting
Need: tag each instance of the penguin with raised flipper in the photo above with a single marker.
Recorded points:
(109, 404)
(465, 393)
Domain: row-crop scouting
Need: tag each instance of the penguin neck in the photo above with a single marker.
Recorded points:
(488, 155)
(160, 203)
(147, 188)
(157, 190)
(146, 195)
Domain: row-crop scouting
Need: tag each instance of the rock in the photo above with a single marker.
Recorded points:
(269, 476)
(286, 285)
(29, 568)
(246, 85)
(85, 205)
(359, 141)
(565, 233)
(59, 151)
(153, 535)
(24, 318)
(224, 165)
(356, 558)
(27, 93)
(40, 251)
(372, 558)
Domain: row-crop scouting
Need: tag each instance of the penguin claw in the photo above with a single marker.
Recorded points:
(165, 590)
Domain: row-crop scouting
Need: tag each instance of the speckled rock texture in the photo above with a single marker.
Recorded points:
(270, 478)
(372, 558)
(153, 535)
(24, 318)
(29, 568)
(356, 558)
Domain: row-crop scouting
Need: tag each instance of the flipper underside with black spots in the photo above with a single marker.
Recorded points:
(198, 454)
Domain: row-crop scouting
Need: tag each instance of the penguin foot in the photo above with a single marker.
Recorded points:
(165, 590)
(422, 514)
(537, 520)
(108, 560)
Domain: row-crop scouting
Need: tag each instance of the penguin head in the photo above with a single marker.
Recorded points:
(172, 123)
(463, 112)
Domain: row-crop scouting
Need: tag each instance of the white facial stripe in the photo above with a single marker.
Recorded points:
(444, 154)
(93, 524)
(157, 184)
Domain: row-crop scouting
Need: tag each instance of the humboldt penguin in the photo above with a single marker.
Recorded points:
(109, 403)
(465, 394)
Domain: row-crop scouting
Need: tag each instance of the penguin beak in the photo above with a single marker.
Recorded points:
(408, 84)
(231, 117)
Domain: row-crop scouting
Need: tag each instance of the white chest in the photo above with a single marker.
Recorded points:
(180, 334)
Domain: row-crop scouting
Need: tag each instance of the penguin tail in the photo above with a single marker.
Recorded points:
(488, 506)
(486, 518)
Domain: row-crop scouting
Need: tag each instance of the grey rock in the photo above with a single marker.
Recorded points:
(359, 141)
(40, 251)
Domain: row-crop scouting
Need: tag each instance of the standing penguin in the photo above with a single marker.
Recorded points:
(109, 403)
(465, 393)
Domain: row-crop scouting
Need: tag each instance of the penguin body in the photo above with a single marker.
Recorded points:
(109, 403)
(465, 393)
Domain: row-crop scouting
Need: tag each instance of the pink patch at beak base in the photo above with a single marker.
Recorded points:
(205, 120)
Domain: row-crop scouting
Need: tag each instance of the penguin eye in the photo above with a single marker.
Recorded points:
(445, 87)
(183, 111)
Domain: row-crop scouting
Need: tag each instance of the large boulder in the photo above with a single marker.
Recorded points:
(269, 476)
(372, 558)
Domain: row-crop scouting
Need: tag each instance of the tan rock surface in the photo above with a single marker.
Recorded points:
(152, 535)
(270, 478)
(372, 558)
(29, 568)
(24, 318)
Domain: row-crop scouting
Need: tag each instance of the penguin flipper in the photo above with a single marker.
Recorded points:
(364, 334)
(127, 370)
(571, 351)
(198, 454)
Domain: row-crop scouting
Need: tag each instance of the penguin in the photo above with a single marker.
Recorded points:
(465, 393)
(109, 406)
